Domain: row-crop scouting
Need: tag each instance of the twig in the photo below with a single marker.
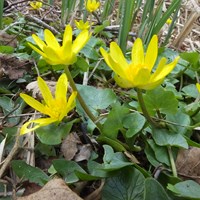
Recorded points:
(10, 156)
(38, 21)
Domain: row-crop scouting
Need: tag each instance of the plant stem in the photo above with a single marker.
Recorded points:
(171, 158)
(143, 107)
(80, 99)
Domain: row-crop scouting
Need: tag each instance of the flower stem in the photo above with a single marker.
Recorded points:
(144, 109)
(80, 99)
(171, 158)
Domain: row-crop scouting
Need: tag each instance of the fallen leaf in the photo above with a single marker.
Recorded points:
(55, 189)
(13, 67)
(188, 163)
(84, 153)
(69, 146)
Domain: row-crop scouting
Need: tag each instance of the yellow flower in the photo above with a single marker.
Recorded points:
(81, 25)
(55, 107)
(36, 5)
(198, 87)
(169, 21)
(92, 5)
(138, 73)
(54, 53)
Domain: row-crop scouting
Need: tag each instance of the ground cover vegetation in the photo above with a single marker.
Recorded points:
(99, 99)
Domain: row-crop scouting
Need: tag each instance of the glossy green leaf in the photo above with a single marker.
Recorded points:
(67, 169)
(53, 133)
(113, 161)
(160, 152)
(100, 28)
(114, 121)
(33, 174)
(128, 184)
(6, 49)
(82, 64)
(190, 91)
(161, 100)
(186, 189)
(192, 57)
(96, 98)
(164, 137)
(154, 190)
(11, 107)
(134, 122)
(182, 120)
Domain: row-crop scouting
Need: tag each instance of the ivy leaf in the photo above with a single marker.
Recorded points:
(134, 122)
(53, 133)
(114, 121)
(161, 100)
(164, 137)
(128, 184)
(67, 169)
(113, 161)
(154, 190)
(186, 189)
(33, 174)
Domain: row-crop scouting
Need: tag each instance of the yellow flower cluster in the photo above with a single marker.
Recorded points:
(138, 73)
(36, 5)
(55, 107)
(54, 53)
(92, 5)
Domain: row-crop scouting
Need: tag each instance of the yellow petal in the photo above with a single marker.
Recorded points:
(46, 93)
(164, 70)
(80, 41)
(117, 55)
(39, 123)
(137, 55)
(54, 56)
(198, 87)
(152, 53)
(38, 41)
(67, 37)
(69, 106)
(142, 77)
(37, 50)
(116, 67)
(50, 39)
(33, 103)
(152, 85)
(124, 83)
(61, 87)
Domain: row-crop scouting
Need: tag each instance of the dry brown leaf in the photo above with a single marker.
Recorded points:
(188, 163)
(13, 67)
(84, 153)
(55, 189)
(69, 146)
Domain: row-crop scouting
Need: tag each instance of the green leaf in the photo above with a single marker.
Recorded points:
(100, 28)
(6, 49)
(192, 57)
(190, 91)
(134, 122)
(113, 161)
(53, 133)
(67, 169)
(128, 184)
(182, 120)
(161, 100)
(26, 171)
(186, 189)
(154, 190)
(96, 98)
(82, 64)
(114, 121)
(161, 153)
(13, 108)
(164, 137)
